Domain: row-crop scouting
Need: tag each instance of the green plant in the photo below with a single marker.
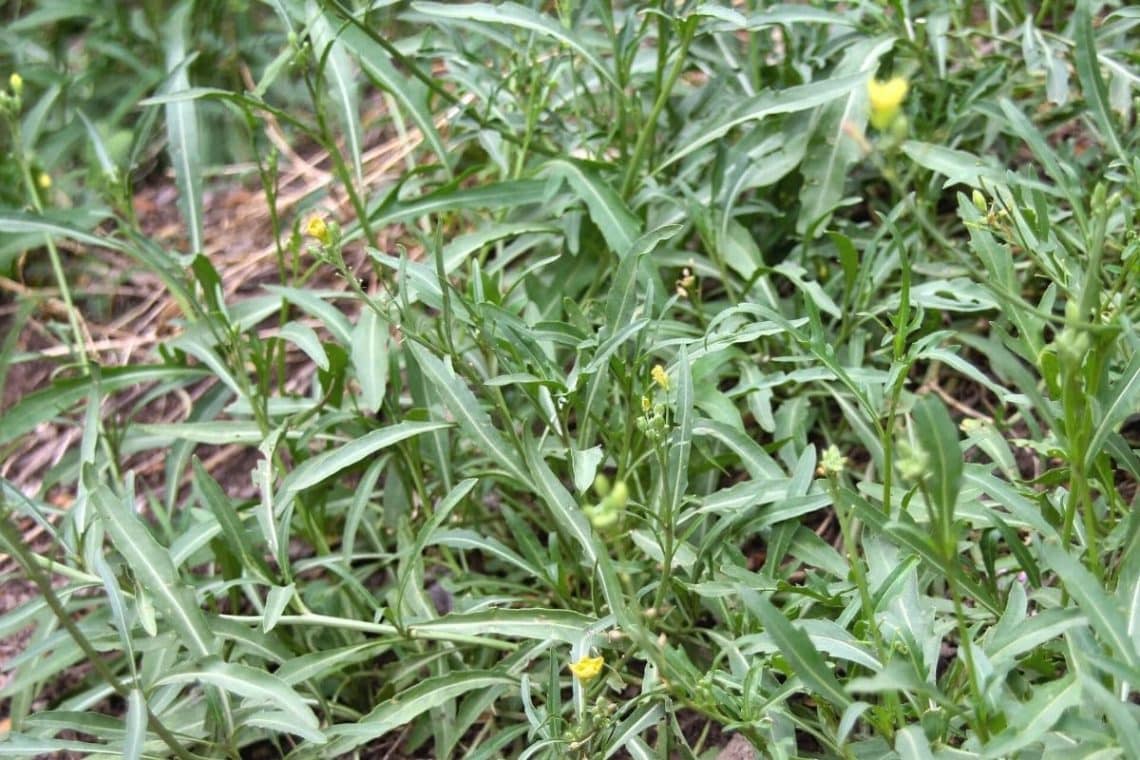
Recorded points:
(806, 427)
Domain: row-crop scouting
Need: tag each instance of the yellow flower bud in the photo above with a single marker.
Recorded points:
(660, 376)
(886, 100)
(16, 82)
(316, 228)
(587, 668)
(44, 181)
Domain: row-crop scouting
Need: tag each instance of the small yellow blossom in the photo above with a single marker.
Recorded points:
(646, 405)
(316, 228)
(587, 668)
(44, 181)
(886, 100)
(16, 82)
(660, 376)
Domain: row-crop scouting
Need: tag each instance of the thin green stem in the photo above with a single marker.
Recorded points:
(968, 650)
(849, 531)
(649, 129)
(53, 253)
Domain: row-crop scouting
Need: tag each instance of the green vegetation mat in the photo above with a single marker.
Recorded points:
(570, 379)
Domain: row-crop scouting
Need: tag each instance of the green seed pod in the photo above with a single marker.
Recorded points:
(619, 497)
(980, 201)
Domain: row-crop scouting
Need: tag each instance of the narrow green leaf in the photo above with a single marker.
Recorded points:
(799, 98)
(1030, 721)
(342, 82)
(538, 624)
(1123, 399)
(460, 248)
(106, 164)
(282, 723)
(328, 662)
(511, 194)
(325, 465)
(612, 343)
(136, 721)
(1061, 173)
(306, 339)
(409, 705)
(1092, 83)
(642, 719)
(16, 223)
(470, 540)
(233, 529)
(152, 568)
(182, 126)
(850, 717)
(1104, 614)
(513, 14)
(759, 465)
(834, 148)
(214, 433)
(361, 501)
(370, 345)
(608, 211)
(677, 459)
(570, 520)
(314, 303)
(566, 512)
(958, 166)
(786, 14)
(622, 300)
(44, 405)
(118, 603)
(377, 65)
(251, 683)
(911, 744)
(49, 722)
(275, 603)
(22, 746)
(804, 659)
(1121, 714)
(939, 439)
(463, 405)
(411, 569)
(249, 642)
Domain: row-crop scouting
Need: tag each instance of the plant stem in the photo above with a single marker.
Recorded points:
(650, 127)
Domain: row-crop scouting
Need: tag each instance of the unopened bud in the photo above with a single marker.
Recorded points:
(979, 201)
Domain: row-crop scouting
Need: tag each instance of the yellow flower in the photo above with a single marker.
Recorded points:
(587, 668)
(316, 228)
(660, 376)
(16, 82)
(886, 99)
(44, 181)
